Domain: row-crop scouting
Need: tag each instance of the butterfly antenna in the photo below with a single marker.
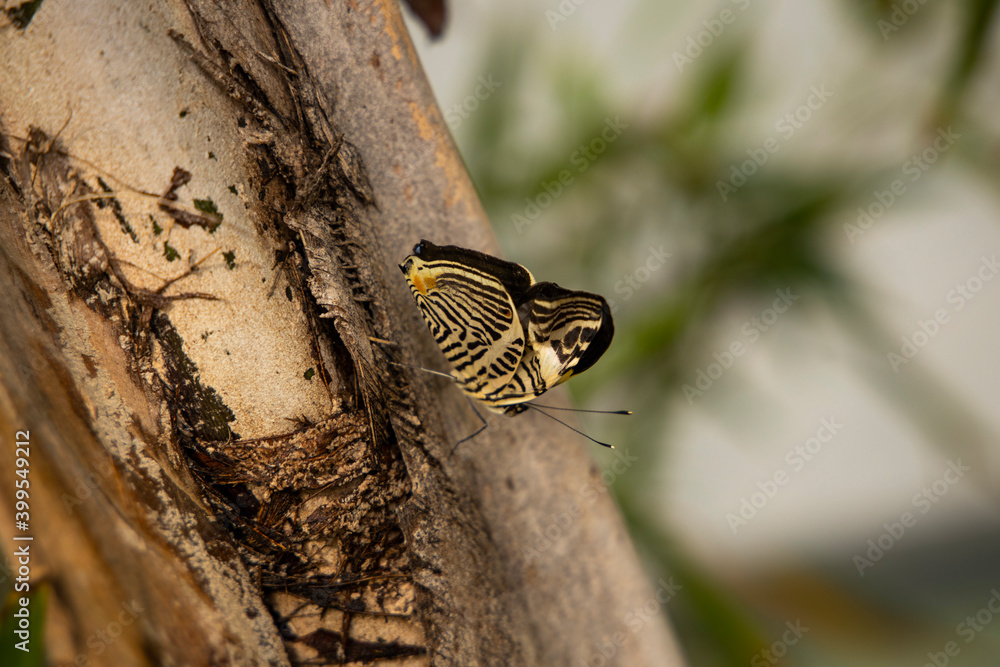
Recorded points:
(596, 412)
(602, 444)
(421, 368)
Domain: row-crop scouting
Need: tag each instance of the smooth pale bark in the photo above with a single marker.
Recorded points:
(512, 550)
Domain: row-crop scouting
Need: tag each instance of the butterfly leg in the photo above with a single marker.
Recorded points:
(478, 431)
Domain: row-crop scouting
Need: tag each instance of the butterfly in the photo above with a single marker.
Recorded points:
(507, 338)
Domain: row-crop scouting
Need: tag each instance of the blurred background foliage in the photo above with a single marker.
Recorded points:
(821, 107)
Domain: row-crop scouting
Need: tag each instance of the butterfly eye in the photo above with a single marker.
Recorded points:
(419, 248)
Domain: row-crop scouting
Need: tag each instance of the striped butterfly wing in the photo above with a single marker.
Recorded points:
(567, 332)
(467, 300)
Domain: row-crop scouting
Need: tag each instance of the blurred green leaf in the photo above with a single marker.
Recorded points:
(10, 654)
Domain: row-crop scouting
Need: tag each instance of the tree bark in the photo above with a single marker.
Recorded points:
(203, 210)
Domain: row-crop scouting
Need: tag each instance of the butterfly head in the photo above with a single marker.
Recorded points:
(413, 266)
(417, 274)
(412, 263)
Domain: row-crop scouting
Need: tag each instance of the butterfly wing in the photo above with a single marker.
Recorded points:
(507, 338)
(567, 332)
(466, 299)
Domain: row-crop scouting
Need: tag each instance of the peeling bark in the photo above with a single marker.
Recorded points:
(213, 376)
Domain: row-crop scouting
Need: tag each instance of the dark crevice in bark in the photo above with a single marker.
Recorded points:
(292, 520)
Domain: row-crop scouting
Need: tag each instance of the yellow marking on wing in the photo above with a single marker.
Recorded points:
(423, 281)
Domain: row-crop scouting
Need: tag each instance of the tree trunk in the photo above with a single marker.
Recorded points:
(202, 210)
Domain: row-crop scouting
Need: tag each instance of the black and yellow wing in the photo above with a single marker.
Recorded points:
(567, 332)
(508, 339)
(465, 299)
